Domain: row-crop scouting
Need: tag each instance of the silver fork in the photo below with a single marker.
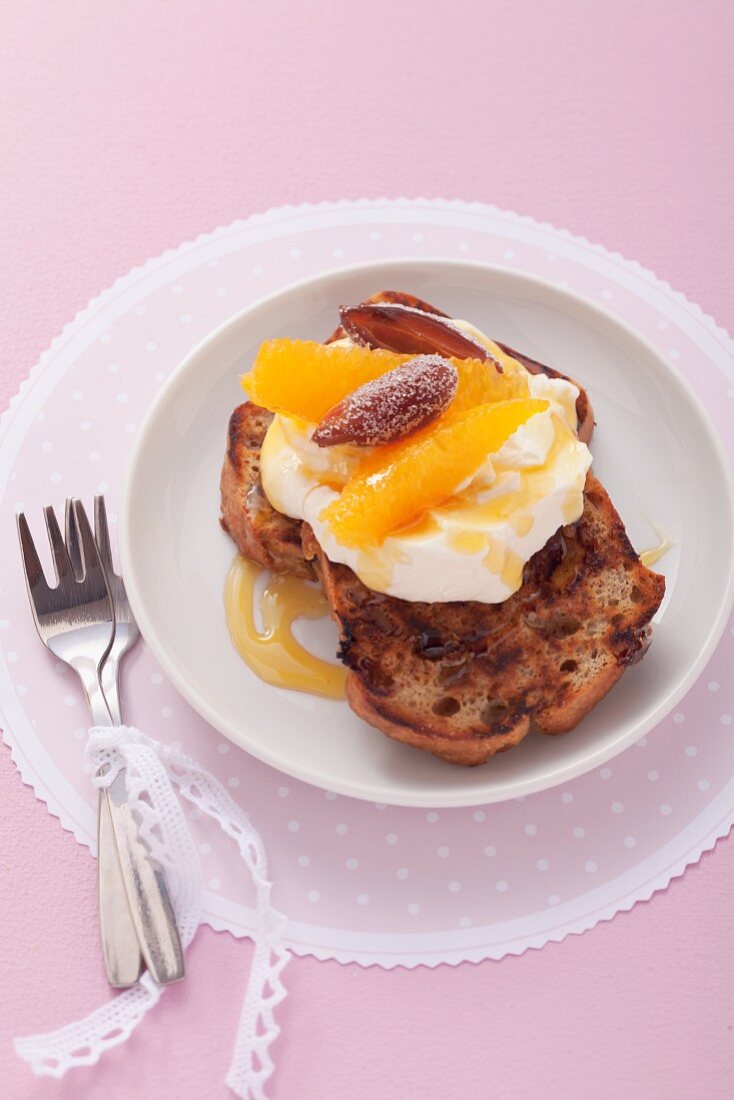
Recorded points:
(75, 621)
(167, 963)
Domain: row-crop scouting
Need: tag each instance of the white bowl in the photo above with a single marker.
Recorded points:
(654, 449)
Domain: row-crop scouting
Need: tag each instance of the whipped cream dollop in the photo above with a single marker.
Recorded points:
(473, 546)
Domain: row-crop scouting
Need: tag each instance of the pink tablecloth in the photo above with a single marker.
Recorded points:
(130, 127)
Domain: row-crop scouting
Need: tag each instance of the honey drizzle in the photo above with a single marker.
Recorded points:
(275, 655)
(655, 553)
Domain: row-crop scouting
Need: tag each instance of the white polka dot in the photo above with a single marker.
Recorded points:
(418, 238)
(725, 719)
(550, 257)
(454, 887)
(87, 767)
(80, 734)
(295, 253)
(703, 784)
(85, 425)
(77, 395)
(501, 886)
(463, 246)
(374, 235)
(294, 826)
(329, 796)
(11, 657)
(103, 487)
(465, 922)
(679, 717)
(665, 809)
(185, 318)
(479, 815)
(141, 311)
(380, 806)
(432, 816)
(341, 829)
(113, 368)
(542, 864)
(94, 456)
(337, 253)
(520, 798)
(617, 808)
(579, 832)
(402, 872)
(257, 270)
(166, 712)
(531, 830)
(283, 792)
(673, 353)
(221, 292)
(4, 624)
(131, 428)
(607, 294)
(509, 254)
(661, 323)
(653, 775)
(56, 478)
(605, 773)
(713, 685)
(490, 851)
(590, 866)
(151, 345)
(177, 289)
(691, 750)
(567, 797)
(629, 842)
(47, 446)
(205, 849)
(352, 864)
(233, 782)
(391, 838)
(159, 376)
(215, 884)
(303, 861)
(121, 398)
(69, 700)
(195, 815)
(313, 895)
(223, 747)
(442, 852)
(414, 908)
(363, 899)
(553, 899)
(641, 744)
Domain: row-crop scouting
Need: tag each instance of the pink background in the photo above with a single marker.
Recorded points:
(127, 128)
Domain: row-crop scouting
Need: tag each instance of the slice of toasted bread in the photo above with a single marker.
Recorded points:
(268, 537)
(466, 680)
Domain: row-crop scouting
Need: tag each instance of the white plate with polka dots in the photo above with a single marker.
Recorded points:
(654, 448)
(360, 880)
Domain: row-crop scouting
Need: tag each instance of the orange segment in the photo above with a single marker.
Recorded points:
(303, 378)
(396, 485)
(306, 379)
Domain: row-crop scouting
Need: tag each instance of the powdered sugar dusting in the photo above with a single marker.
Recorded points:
(392, 406)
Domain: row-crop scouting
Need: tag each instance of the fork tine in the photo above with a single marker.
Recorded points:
(35, 577)
(102, 533)
(93, 569)
(62, 562)
(72, 539)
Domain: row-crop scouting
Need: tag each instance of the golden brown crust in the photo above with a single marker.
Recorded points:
(466, 680)
(262, 534)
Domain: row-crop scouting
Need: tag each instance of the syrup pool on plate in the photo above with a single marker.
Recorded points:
(273, 653)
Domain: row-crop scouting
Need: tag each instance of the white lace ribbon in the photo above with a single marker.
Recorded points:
(153, 771)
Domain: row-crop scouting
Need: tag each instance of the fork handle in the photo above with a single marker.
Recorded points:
(148, 902)
(120, 948)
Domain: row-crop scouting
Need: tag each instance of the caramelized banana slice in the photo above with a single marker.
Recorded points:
(405, 329)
